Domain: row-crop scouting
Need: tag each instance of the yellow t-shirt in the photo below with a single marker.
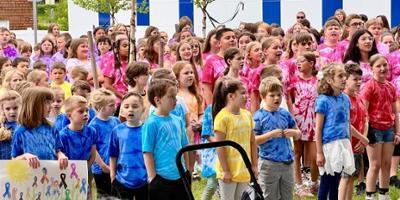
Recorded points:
(238, 128)
(66, 87)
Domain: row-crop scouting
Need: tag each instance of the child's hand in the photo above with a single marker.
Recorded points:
(359, 147)
(396, 139)
(291, 133)
(227, 177)
(320, 159)
(63, 161)
(33, 160)
(105, 169)
(277, 133)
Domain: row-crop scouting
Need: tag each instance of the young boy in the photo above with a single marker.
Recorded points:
(21, 64)
(103, 45)
(163, 136)
(103, 101)
(274, 126)
(57, 76)
(359, 123)
(39, 65)
(57, 104)
(78, 139)
(126, 152)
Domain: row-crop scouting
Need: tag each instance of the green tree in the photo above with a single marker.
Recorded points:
(60, 15)
(111, 7)
(202, 4)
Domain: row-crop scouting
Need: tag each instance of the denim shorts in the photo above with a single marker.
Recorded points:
(380, 136)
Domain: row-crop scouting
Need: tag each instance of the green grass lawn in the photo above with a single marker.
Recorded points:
(198, 186)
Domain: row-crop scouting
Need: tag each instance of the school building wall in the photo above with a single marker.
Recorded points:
(17, 12)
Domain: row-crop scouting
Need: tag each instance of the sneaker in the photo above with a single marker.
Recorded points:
(303, 192)
(360, 188)
(372, 197)
(395, 182)
(314, 188)
(384, 197)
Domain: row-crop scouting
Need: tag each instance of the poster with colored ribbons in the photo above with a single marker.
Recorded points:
(18, 181)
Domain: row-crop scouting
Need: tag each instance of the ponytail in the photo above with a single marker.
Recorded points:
(223, 87)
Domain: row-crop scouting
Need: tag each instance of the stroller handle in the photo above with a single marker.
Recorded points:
(207, 146)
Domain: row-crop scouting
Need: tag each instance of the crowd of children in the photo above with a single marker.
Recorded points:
(314, 111)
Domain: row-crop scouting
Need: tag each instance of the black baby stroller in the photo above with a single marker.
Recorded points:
(254, 191)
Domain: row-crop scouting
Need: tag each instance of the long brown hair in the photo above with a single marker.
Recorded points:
(149, 53)
(32, 113)
(223, 87)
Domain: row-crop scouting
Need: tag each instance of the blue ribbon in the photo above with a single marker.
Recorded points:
(48, 190)
(83, 187)
(7, 192)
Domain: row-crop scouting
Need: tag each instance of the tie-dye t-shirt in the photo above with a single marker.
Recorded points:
(336, 110)
(46, 59)
(366, 71)
(344, 45)
(118, 76)
(382, 48)
(208, 156)
(10, 51)
(305, 92)
(213, 69)
(289, 71)
(394, 70)
(358, 115)
(330, 54)
(380, 97)
(251, 79)
(275, 149)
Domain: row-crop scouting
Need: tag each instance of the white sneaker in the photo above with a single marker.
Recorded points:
(384, 197)
(372, 197)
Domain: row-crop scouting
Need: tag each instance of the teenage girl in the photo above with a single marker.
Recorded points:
(35, 139)
(234, 62)
(10, 101)
(334, 153)
(304, 92)
(383, 131)
(236, 124)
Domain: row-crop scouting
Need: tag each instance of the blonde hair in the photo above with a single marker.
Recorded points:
(373, 21)
(8, 75)
(32, 112)
(35, 76)
(74, 102)
(270, 84)
(9, 95)
(100, 98)
(328, 72)
(270, 70)
(79, 70)
(58, 91)
(375, 59)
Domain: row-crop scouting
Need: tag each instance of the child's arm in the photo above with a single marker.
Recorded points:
(254, 154)
(358, 135)
(207, 93)
(255, 101)
(92, 156)
(396, 124)
(319, 122)
(113, 168)
(33, 161)
(149, 162)
(260, 139)
(221, 151)
(292, 132)
(102, 164)
(62, 160)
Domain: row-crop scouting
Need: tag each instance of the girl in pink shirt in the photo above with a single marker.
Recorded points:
(384, 131)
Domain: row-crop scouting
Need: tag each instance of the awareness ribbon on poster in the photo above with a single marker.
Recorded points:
(7, 192)
(63, 183)
(73, 173)
(83, 187)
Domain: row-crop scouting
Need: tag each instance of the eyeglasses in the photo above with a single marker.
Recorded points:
(300, 17)
(306, 43)
(357, 24)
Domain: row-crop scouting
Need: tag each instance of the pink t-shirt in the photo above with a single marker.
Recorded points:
(357, 117)
(344, 45)
(305, 92)
(213, 69)
(394, 70)
(289, 71)
(330, 54)
(380, 97)
(366, 70)
(117, 75)
(251, 77)
(382, 48)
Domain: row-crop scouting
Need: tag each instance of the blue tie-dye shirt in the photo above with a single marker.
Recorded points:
(208, 156)
(126, 146)
(42, 141)
(336, 110)
(5, 145)
(77, 145)
(275, 149)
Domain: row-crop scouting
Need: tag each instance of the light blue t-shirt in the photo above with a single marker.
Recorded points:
(336, 110)
(126, 146)
(42, 141)
(103, 129)
(275, 149)
(208, 156)
(164, 137)
(77, 145)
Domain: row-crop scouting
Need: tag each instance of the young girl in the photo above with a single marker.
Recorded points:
(55, 110)
(304, 93)
(250, 73)
(272, 50)
(234, 62)
(10, 101)
(103, 101)
(189, 92)
(126, 152)
(11, 79)
(61, 42)
(46, 51)
(38, 77)
(334, 154)
(35, 138)
(151, 51)
(236, 124)
(383, 132)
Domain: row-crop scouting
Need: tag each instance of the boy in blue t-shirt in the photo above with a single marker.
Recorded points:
(103, 101)
(78, 140)
(273, 128)
(127, 169)
(163, 136)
